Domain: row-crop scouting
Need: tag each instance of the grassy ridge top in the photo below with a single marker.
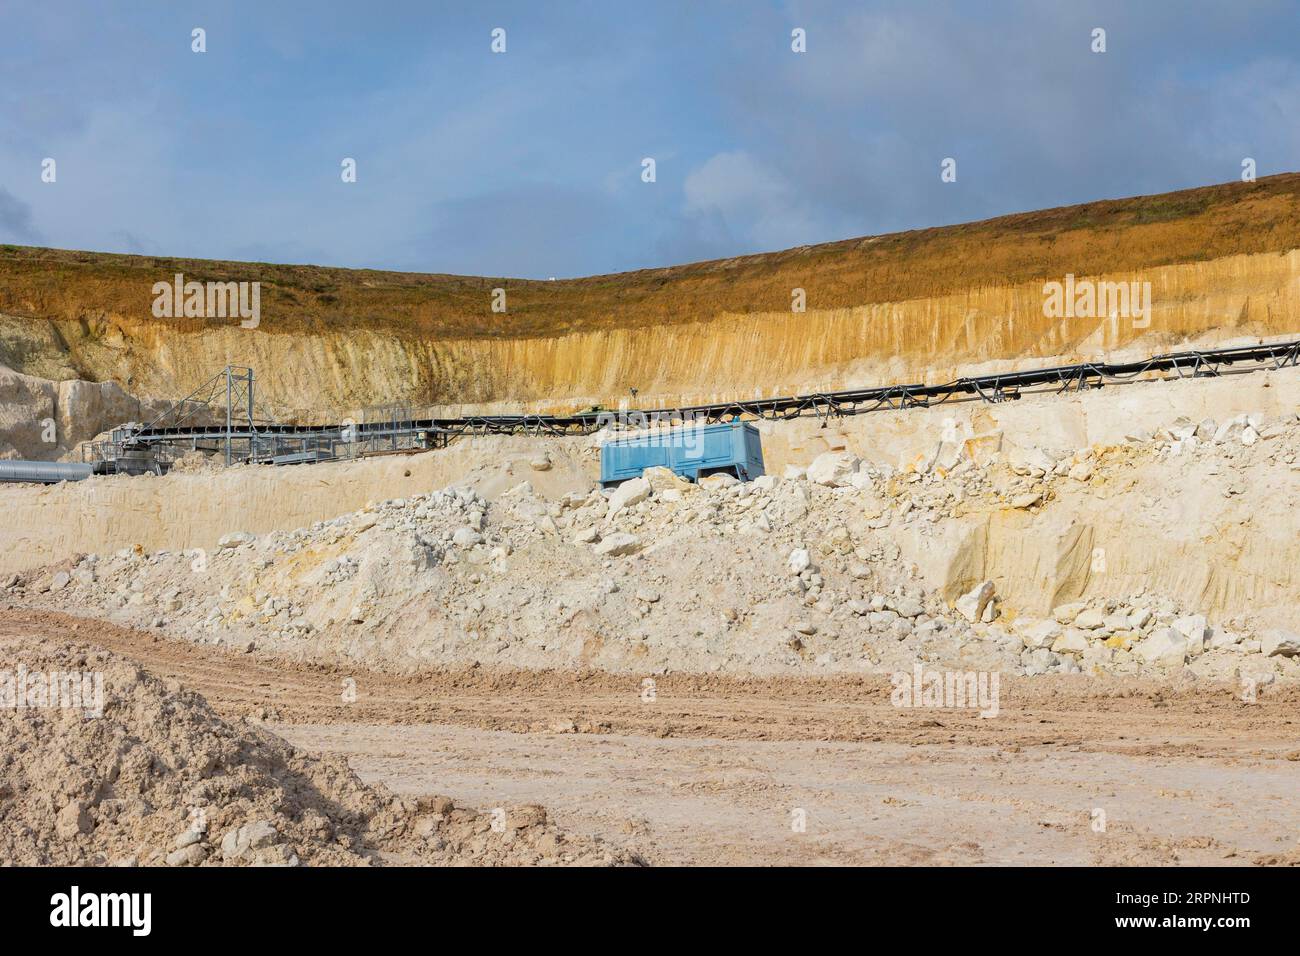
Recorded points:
(1100, 237)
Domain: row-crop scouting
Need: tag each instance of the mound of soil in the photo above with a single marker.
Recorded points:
(135, 771)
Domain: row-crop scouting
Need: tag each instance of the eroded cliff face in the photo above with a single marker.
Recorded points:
(731, 355)
(47, 420)
(1222, 264)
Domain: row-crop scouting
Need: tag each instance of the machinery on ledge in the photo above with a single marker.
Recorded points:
(693, 451)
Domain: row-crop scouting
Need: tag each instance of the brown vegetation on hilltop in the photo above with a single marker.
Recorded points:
(1091, 239)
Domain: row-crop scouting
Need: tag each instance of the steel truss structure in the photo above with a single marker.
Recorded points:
(396, 428)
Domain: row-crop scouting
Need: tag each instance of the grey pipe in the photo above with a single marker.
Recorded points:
(44, 472)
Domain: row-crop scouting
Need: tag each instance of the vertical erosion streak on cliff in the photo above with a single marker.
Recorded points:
(337, 369)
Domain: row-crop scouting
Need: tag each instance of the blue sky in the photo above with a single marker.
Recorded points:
(528, 163)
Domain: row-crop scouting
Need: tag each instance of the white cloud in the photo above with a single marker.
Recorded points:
(752, 202)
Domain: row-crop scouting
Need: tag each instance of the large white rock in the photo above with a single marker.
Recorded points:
(1090, 619)
(1115, 622)
(949, 454)
(1231, 430)
(631, 492)
(1040, 634)
(1279, 643)
(1192, 627)
(1066, 613)
(1073, 641)
(832, 468)
(800, 560)
(617, 544)
(1030, 461)
(1165, 646)
(660, 478)
(1220, 639)
(466, 538)
(1081, 471)
(905, 606)
(586, 535)
(971, 605)
(1140, 618)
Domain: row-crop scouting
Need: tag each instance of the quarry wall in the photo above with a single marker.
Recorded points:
(1160, 525)
(308, 374)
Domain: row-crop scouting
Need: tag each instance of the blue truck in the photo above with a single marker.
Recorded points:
(692, 451)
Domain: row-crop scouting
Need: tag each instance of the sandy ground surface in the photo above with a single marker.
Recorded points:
(721, 770)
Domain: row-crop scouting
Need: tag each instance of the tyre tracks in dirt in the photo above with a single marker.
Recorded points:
(1135, 718)
(714, 769)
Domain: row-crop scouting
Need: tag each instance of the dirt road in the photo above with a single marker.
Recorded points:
(723, 770)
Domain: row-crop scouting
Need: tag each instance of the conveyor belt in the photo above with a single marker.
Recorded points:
(990, 388)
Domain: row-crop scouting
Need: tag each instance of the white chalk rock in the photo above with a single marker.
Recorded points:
(1090, 619)
(1072, 641)
(1030, 461)
(586, 536)
(1066, 613)
(1279, 643)
(631, 492)
(833, 468)
(466, 538)
(617, 544)
(1165, 646)
(661, 479)
(1040, 634)
(1192, 627)
(905, 606)
(973, 603)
